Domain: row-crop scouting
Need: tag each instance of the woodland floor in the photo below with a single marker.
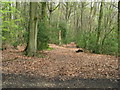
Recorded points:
(60, 67)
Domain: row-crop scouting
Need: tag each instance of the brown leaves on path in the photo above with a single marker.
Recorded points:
(61, 62)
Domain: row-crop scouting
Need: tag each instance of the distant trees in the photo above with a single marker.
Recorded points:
(96, 26)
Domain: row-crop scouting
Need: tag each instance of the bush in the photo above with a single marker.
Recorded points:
(43, 38)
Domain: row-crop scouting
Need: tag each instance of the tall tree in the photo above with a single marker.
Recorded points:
(32, 42)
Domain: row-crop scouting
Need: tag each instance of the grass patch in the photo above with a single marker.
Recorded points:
(49, 48)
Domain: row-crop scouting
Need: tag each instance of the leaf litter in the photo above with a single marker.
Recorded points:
(60, 62)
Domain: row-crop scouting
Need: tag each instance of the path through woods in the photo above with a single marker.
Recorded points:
(61, 67)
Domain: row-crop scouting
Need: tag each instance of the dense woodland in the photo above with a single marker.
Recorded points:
(91, 25)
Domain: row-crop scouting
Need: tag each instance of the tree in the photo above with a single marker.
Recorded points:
(51, 9)
(99, 28)
(58, 23)
(32, 42)
(42, 41)
(119, 29)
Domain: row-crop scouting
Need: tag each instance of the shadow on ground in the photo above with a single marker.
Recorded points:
(23, 81)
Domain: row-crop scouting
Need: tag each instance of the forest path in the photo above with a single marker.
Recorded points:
(62, 67)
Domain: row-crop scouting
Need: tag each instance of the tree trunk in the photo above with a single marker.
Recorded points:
(50, 13)
(41, 26)
(99, 28)
(59, 34)
(32, 42)
(17, 23)
(119, 29)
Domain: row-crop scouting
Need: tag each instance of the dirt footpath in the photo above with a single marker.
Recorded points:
(61, 67)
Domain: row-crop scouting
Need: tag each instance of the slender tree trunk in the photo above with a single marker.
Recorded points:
(99, 28)
(51, 9)
(43, 21)
(90, 25)
(82, 6)
(108, 22)
(10, 15)
(1, 29)
(66, 14)
(119, 29)
(59, 33)
(32, 42)
(43, 16)
(50, 12)
(17, 23)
